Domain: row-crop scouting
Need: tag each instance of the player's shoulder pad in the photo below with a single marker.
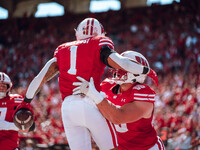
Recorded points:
(104, 40)
(63, 45)
(16, 97)
(141, 88)
(59, 48)
(143, 92)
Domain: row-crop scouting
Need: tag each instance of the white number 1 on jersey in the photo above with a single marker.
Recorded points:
(73, 54)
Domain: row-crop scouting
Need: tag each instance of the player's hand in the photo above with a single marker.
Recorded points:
(152, 74)
(23, 105)
(83, 86)
(88, 89)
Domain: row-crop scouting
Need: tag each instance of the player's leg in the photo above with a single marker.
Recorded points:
(81, 112)
(77, 135)
(101, 129)
(78, 138)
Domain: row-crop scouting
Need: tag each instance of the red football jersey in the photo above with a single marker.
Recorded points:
(138, 135)
(80, 58)
(9, 138)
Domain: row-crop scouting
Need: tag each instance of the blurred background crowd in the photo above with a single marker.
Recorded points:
(168, 36)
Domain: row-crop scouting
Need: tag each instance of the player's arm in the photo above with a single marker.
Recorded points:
(112, 59)
(130, 112)
(127, 113)
(48, 72)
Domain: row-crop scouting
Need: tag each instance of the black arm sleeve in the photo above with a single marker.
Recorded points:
(105, 53)
(27, 100)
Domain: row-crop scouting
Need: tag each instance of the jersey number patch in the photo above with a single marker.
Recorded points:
(73, 55)
(122, 128)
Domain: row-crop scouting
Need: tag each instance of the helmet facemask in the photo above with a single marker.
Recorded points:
(121, 77)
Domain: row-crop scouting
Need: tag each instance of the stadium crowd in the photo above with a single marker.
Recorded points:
(169, 37)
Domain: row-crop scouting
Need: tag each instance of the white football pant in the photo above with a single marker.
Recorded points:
(158, 146)
(82, 119)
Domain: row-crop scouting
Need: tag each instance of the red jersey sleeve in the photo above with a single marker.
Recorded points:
(58, 48)
(106, 41)
(142, 92)
(103, 40)
(97, 43)
(17, 99)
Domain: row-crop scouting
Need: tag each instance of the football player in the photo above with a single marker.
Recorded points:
(86, 57)
(129, 104)
(8, 104)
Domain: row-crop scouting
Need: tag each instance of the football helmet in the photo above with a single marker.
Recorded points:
(121, 77)
(89, 27)
(4, 78)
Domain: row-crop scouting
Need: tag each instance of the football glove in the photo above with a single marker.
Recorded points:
(88, 89)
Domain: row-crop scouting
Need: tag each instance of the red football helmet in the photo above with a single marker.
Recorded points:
(4, 78)
(89, 27)
(121, 77)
